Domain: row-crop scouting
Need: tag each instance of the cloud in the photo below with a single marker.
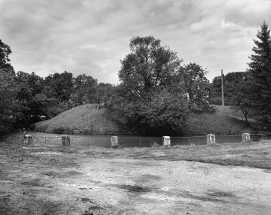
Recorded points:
(92, 36)
(248, 12)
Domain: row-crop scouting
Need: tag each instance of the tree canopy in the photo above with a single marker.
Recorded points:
(148, 66)
(196, 85)
(5, 51)
(9, 105)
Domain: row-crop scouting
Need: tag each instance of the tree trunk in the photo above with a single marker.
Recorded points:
(246, 119)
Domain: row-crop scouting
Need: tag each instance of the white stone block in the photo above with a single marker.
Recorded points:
(114, 141)
(166, 141)
(210, 139)
(245, 137)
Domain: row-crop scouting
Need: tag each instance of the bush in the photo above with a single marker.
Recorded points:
(59, 130)
(161, 112)
(39, 127)
(216, 101)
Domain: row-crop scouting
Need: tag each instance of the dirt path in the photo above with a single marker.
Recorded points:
(54, 181)
(157, 187)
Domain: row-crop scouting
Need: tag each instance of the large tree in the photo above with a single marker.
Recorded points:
(215, 91)
(237, 92)
(59, 86)
(148, 66)
(103, 92)
(196, 85)
(85, 88)
(9, 105)
(5, 51)
(260, 77)
(149, 99)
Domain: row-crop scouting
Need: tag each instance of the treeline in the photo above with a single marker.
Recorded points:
(28, 98)
(157, 91)
(44, 98)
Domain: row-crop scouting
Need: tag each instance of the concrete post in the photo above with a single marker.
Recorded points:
(245, 137)
(210, 139)
(66, 141)
(166, 141)
(27, 138)
(114, 142)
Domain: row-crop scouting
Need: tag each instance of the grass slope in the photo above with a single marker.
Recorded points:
(84, 119)
(228, 110)
(225, 120)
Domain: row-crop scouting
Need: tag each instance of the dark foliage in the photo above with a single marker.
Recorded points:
(260, 77)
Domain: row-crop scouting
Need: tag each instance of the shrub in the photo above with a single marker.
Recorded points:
(58, 130)
(216, 101)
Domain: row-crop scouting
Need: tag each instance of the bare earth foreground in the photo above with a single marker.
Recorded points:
(71, 180)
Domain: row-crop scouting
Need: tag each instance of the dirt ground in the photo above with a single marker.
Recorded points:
(55, 180)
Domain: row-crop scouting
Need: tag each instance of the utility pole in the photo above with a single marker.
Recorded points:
(222, 88)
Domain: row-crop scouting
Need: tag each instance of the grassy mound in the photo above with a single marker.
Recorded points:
(84, 119)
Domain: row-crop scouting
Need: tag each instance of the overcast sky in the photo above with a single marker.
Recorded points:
(92, 36)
